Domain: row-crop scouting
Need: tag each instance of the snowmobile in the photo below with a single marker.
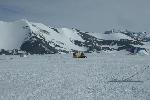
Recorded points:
(79, 55)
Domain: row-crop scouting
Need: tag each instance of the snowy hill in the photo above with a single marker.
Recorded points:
(37, 38)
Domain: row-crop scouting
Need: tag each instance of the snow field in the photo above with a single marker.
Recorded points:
(60, 77)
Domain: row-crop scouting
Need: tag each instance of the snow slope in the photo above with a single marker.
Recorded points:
(63, 37)
(61, 77)
(12, 35)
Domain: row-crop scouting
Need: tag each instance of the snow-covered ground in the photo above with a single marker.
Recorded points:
(61, 77)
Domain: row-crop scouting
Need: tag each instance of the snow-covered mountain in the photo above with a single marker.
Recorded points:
(37, 38)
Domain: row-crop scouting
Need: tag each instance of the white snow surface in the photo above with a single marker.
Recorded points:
(61, 77)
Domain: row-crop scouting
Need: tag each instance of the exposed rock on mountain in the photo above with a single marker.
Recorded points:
(37, 38)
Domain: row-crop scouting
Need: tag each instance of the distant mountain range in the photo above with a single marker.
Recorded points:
(37, 38)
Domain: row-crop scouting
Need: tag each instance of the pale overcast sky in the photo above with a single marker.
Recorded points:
(87, 15)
